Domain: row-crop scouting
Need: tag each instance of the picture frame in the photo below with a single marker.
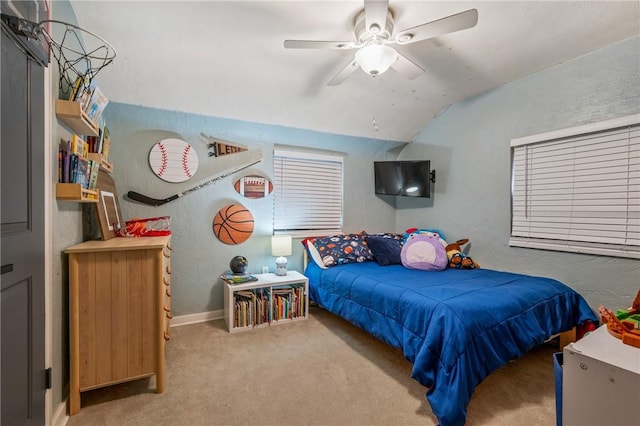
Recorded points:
(104, 218)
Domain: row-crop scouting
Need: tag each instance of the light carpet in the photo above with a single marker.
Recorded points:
(320, 371)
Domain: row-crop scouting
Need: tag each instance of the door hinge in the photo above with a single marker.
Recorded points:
(47, 378)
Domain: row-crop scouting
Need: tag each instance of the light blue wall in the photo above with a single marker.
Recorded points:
(66, 229)
(199, 257)
(468, 145)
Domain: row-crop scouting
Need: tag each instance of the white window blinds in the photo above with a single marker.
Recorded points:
(578, 189)
(307, 193)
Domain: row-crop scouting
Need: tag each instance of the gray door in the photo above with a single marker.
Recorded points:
(22, 235)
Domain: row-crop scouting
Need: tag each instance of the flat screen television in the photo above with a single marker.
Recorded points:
(403, 178)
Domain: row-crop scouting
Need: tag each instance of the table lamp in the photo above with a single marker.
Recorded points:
(281, 247)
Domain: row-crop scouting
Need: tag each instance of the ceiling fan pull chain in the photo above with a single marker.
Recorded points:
(375, 98)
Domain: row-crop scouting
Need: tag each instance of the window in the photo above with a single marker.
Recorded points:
(578, 189)
(307, 193)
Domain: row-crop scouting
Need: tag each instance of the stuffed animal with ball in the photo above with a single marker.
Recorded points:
(457, 259)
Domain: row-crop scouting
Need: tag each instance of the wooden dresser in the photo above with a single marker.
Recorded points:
(119, 312)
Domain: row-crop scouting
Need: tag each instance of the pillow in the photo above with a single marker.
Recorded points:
(307, 243)
(344, 248)
(425, 252)
(399, 237)
(385, 249)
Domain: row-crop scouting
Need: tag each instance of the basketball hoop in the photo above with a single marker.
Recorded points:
(80, 53)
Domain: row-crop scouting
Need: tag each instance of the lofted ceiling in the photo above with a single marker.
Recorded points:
(227, 59)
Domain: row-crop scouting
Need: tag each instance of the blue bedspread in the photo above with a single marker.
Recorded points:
(454, 326)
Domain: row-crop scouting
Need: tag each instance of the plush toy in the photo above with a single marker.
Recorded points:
(457, 259)
(441, 237)
(424, 251)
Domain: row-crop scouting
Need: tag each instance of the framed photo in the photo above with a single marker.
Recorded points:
(108, 207)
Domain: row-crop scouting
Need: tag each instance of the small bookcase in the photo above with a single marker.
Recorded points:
(270, 300)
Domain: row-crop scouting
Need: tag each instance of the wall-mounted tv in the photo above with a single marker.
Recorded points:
(404, 178)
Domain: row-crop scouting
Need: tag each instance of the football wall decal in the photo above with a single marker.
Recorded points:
(233, 224)
(253, 186)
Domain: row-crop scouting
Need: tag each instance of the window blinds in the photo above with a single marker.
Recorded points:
(307, 193)
(577, 190)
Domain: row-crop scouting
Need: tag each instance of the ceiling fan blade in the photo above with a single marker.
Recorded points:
(450, 24)
(317, 44)
(375, 14)
(407, 68)
(342, 75)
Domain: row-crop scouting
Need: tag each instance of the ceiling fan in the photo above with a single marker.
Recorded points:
(373, 28)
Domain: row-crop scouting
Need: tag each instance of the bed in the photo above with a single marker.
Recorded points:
(455, 326)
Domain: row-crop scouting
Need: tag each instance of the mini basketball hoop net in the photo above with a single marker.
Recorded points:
(79, 53)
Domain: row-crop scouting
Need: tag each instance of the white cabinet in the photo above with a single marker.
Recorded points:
(270, 300)
(600, 381)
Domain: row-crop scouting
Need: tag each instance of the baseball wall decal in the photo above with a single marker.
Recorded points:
(173, 160)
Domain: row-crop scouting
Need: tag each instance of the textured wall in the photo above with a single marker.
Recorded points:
(468, 145)
(198, 256)
(66, 226)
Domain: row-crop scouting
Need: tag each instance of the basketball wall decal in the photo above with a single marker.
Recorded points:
(253, 186)
(173, 160)
(233, 224)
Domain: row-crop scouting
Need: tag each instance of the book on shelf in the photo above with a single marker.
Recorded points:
(75, 168)
(96, 104)
(79, 146)
(105, 143)
(76, 91)
(93, 174)
(60, 163)
(66, 153)
(81, 171)
(91, 99)
(84, 96)
(232, 278)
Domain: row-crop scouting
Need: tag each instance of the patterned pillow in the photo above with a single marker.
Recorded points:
(344, 248)
(312, 251)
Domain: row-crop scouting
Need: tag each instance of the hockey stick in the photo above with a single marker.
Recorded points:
(136, 196)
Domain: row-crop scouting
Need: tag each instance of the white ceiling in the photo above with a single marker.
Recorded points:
(226, 59)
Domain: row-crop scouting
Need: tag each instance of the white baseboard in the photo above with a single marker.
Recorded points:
(196, 318)
(60, 415)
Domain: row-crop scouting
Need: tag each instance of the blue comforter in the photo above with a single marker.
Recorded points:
(454, 326)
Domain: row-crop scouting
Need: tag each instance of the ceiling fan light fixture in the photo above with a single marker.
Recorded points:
(375, 59)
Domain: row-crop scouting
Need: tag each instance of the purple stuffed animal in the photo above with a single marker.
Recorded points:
(425, 252)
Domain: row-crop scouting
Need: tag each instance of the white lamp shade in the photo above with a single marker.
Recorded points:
(375, 59)
(281, 245)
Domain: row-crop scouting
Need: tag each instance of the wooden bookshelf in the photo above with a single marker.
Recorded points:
(71, 114)
(75, 192)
